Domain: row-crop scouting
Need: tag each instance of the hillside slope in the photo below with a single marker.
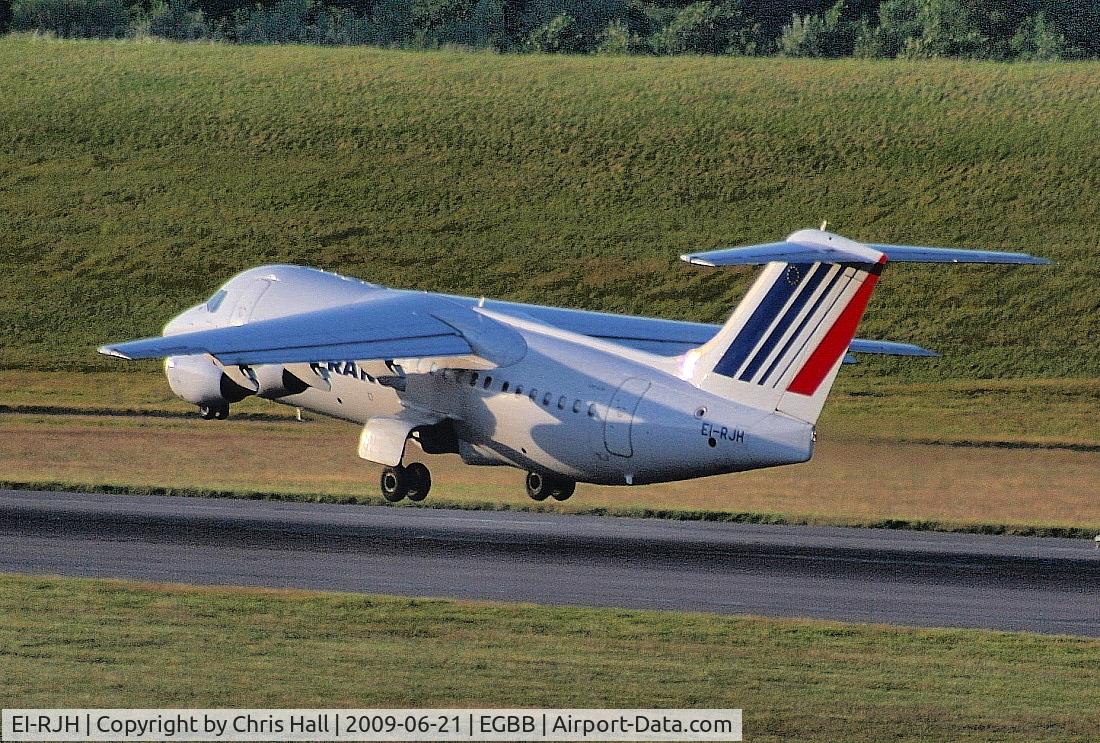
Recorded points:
(135, 177)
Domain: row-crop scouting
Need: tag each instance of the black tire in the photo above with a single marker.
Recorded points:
(206, 412)
(420, 482)
(221, 412)
(562, 489)
(537, 487)
(394, 483)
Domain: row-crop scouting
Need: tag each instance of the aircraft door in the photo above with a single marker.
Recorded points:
(620, 416)
(249, 298)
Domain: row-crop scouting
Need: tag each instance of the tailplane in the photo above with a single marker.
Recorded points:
(783, 345)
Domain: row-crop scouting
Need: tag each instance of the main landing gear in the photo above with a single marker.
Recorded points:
(540, 487)
(214, 412)
(412, 482)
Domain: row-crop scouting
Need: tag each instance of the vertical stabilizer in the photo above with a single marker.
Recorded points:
(783, 345)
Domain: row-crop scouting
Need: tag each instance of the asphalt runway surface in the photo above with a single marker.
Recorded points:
(858, 575)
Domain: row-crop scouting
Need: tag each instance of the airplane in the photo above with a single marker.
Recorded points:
(566, 395)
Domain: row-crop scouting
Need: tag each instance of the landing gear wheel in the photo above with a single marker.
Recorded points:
(214, 412)
(536, 487)
(394, 483)
(540, 487)
(420, 482)
(562, 489)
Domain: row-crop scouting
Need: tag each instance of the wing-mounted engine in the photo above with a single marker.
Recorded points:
(202, 381)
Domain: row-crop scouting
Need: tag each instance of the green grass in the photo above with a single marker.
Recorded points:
(85, 643)
(135, 177)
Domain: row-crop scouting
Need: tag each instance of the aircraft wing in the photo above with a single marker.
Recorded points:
(390, 326)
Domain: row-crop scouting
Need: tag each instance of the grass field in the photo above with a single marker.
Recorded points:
(135, 177)
(1025, 456)
(84, 643)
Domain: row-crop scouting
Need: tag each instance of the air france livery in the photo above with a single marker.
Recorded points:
(566, 395)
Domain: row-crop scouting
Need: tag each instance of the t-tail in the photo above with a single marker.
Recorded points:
(783, 345)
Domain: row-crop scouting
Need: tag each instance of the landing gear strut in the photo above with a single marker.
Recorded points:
(540, 487)
(216, 412)
(412, 482)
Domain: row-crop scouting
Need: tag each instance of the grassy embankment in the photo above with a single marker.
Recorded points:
(136, 177)
(68, 642)
(1020, 458)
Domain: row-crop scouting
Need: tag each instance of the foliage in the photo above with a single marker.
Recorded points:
(708, 27)
(5, 15)
(917, 29)
(560, 34)
(819, 35)
(102, 19)
(1038, 40)
(174, 19)
(948, 28)
(617, 39)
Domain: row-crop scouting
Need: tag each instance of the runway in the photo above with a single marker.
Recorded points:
(859, 575)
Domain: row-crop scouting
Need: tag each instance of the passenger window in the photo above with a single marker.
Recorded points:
(576, 406)
(592, 410)
(215, 301)
(488, 381)
(503, 386)
(561, 403)
(519, 389)
(473, 378)
(533, 394)
(547, 397)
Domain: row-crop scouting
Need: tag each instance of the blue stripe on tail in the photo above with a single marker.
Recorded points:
(801, 326)
(805, 292)
(750, 335)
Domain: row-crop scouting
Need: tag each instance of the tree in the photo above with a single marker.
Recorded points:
(814, 35)
(5, 16)
(708, 28)
(434, 14)
(1038, 40)
(560, 34)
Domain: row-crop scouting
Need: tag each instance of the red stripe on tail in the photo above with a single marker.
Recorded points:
(836, 341)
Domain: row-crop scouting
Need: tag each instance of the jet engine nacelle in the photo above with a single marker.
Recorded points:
(275, 381)
(199, 380)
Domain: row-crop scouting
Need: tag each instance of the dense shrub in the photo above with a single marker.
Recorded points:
(174, 19)
(105, 19)
(1038, 40)
(618, 39)
(5, 15)
(819, 35)
(560, 34)
(708, 28)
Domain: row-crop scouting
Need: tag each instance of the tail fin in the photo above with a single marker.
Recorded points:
(783, 345)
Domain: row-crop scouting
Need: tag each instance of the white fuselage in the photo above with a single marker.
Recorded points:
(574, 406)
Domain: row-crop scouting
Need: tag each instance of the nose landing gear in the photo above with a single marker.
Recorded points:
(412, 482)
(540, 487)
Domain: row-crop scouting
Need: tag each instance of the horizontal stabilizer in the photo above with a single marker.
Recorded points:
(889, 348)
(818, 246)
(918, 254)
